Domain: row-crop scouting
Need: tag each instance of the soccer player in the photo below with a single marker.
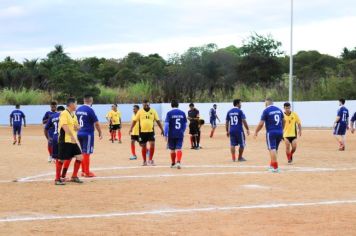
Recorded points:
(114, 119)
(45, 120)
(51, 132)
(88, 121)
(272, 116)
(135, 133)
(352, 123)
(67, 143)
(193, 117)
(341, 124)
(213, 117)
(145, 118)
(201, 122)
(16, 118)
(175, 125)
(292, 129)
(235, 120)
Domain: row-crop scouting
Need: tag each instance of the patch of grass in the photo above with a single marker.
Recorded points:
(24, 97)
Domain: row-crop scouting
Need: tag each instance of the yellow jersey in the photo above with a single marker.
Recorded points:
(146, 120)
(114, 117)
(136, 129)
(290, 128)
(69, 119)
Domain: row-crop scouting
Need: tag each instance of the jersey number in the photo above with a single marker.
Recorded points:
(17, 118)
(344, 117)
(178, 124)
(81, 123)
(234, 120)
(55, 128)
(277, 118)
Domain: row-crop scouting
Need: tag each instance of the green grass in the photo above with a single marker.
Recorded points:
(24, 97)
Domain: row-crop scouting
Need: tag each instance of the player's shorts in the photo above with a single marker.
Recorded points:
(86, 143)
(340, 129)
(291, 139)
(67, 151)
(146, 137)
(175, 143)
(273, 140)
(193, 128)
(16, 129)
(213, 124)
(55, 147)
(237, 139)
(115, 127)
(50, 140)
(135, 138)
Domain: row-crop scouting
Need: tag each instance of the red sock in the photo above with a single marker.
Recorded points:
(152, 151)
(173, 157)
(289, 156)
(191, 141)
(179, 155)
(144, 152)
(274, 165)
(58, 169)
(49, 147)
(85, 163)
(119, 134)
(233, 157)
(211, 133)
(65, 168)
(76, 168)
(133, 149)
(114, 134)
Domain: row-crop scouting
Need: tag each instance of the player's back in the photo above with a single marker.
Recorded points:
(343, 113)
(86, 118)
(17, 116)
(177, 123)
(52, 124)
(212, 114)
(193, 114)
(235, 117)
(273, 118)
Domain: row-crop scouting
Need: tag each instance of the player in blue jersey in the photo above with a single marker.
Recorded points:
(175, 125)
(341, 124)
(213, 117)
(45, 119)
(235, 120)
(272, 117)
(88, 121)
(16, 119)
(352, 123)
(51, 132)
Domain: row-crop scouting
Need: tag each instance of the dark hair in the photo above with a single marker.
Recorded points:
(287, 104)
(114, 104)
(70, 101)
(342, 100)
(236, 102)
(60, 108)
(136, 106)
(174, 103)
(87, 96)
(215, 105)
(145, 101)
(53, 103)
(191, 105)
(17, 106)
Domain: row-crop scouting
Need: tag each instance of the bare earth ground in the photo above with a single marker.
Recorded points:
(209, 196)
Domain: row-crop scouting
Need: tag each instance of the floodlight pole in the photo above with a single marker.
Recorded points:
(291, 57)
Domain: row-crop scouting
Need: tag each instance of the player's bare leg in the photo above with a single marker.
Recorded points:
(212, 132)
(19, 140)
(274, 162)
(152, 151)
(15, 139)
(233, 153)
(341, 141)
(144, 154)
(241, 152)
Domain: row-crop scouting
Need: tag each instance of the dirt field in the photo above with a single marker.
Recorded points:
(210, 196)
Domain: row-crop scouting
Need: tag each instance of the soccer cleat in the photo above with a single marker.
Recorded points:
(65, 179)
(76, 180)
(196, 148)
(273, 170)
(178, 166)
(120, 141)
(241, 159)
(342, 148)
(233, 160)
(290, 161)
(50, 159)
(151, 163)
(173, 165)
(14, 142)
(144, 163)
(59, 182)
(132, 158)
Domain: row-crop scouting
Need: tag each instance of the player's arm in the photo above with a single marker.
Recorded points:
(10, 120)
(258, 128)
(160, 126)
(24, 121)
(46, 128)
(352, 126)
(98, 128)
(227, 128)
(244, 122)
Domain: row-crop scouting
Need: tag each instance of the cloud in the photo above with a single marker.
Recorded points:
(12, 12)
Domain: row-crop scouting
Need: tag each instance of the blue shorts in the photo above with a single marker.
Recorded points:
(340, 129)
(273, 139)
(237, 139)
(55, 147)
(86, 143)
(17, 129)
(50, 140)
(213, 123)
(175, 143)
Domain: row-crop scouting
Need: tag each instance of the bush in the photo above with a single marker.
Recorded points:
(24, 97)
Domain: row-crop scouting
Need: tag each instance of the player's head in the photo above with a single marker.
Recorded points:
(215, 106)
(53, 106)
(146, 104)
(114, 107)
(268, 102)
(191, 106)
(60, 108)
(88, 99)
(71, 104)
(287, 107)
(174, 104)
(17, 106)
(237, 103)
(136, 108)
(342, 101)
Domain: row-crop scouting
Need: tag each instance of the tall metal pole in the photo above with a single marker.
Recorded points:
(291, 57)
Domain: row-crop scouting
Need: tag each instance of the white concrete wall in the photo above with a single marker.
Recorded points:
(313, 114)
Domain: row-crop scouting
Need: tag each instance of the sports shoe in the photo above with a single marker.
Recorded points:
(14, 142)
(50, 159)
(196, 148)
(144, 163)
(290, 161)
(342, 148)
(133, 158)
(272, 170)
(151, 163)
(90, 175)
(65, 179)
(178, 166)
(59, 182)
(241, 159)
(120, 141)
(173, 165)
(76, 180)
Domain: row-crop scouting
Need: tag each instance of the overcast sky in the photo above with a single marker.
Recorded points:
(112, 28)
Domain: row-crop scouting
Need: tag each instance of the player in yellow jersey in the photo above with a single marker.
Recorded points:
(135, 133)
(146, 117)
(292, 129)
(114, 119)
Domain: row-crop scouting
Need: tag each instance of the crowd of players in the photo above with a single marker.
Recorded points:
(70, 132)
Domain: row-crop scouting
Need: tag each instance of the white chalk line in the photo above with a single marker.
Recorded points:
(174, 211)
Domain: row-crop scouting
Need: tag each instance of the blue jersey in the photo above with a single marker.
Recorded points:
(212, 114)
(176, 123)
(273, 118)
(86, 118)
(17, 116)
(343, 113)
(52, 125)
(235, 117)
(47, 115)
(353, 118)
